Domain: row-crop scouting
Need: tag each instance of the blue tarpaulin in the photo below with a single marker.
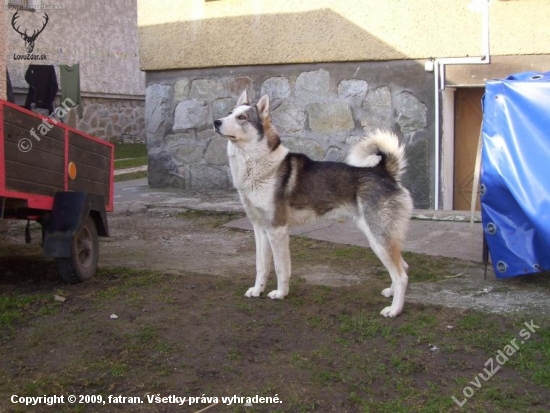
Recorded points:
(515, 173)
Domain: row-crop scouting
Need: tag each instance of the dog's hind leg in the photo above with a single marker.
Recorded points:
(279, 241)
(263, 261)
(388, 251)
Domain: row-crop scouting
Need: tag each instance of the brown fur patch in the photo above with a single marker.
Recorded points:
(394, 250)
(273, 140)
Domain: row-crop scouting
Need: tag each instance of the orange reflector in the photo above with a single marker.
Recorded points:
(72, 170)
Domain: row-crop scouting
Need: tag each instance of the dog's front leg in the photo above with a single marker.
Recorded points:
(263, 261)
(279, 240)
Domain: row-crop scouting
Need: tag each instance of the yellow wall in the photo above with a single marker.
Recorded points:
(199, 33)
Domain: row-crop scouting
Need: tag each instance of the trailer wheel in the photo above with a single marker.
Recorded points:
(82, 264)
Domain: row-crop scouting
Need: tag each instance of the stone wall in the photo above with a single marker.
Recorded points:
(112, 119)
(320, 110)
(116, 120)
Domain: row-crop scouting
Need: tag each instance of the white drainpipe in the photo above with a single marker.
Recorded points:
(439, 80)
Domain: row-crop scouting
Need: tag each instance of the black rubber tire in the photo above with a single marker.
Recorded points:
(82, 265)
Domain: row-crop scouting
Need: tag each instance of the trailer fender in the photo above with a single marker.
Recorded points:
(70, 211)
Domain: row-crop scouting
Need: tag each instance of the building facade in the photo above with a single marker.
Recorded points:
(101, 36)
(333, 70)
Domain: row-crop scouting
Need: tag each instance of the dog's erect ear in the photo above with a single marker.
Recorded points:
(243, 100)
(263, 106)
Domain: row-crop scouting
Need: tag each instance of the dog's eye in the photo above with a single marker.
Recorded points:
(241, 117)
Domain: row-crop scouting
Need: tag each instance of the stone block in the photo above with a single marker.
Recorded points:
(377, 108)
(353, 88)
(216, 152)
(206, 177)
(237, 85)
(312, 86)
(191, 114)
(207, 134)
(353, 140)
(181, 89)
(288, 119)
(186, 153)
(330, 117)
(157, 108)
(90, 110)
(109, 131)
(308, 147)
(176, 139)
(417, 176)
(222, 107)
(208, 89)
(412, 114)
(276, 88)
(334, 155)
(160, 168)
(139, 111)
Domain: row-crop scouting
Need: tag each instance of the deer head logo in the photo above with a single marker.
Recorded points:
(29, 40)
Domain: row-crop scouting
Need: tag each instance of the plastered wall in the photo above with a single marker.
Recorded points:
(198, 33)
(100, 35)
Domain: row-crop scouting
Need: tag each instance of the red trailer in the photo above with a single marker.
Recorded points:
(63, 179)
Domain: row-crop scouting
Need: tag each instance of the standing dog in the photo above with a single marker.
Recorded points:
(279, 188)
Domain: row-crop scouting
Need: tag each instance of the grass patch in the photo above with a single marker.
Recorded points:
(130, 150)
(131, 176)
(17, 308)
(360, 260)
(130, 155)
(322, 349)
(130, 163)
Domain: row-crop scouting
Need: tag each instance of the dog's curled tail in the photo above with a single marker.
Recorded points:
(379, 146)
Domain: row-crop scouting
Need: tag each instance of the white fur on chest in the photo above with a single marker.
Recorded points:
(255, 177)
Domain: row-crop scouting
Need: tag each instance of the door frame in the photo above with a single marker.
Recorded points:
(448, 137)
(447, 147)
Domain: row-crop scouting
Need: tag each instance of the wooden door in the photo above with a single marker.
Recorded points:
(468, 118)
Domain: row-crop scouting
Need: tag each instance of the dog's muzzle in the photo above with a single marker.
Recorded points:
(217, 124)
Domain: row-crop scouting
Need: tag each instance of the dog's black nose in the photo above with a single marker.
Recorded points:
(217, 123)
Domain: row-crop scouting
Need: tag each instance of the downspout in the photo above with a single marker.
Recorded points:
(439, 81)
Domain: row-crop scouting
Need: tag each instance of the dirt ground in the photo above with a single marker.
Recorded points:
(173, 246)
(174, 280)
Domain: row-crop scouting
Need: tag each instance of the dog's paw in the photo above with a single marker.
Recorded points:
(254, 292)
(387, 292)
(389, 312)
(276, 295)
